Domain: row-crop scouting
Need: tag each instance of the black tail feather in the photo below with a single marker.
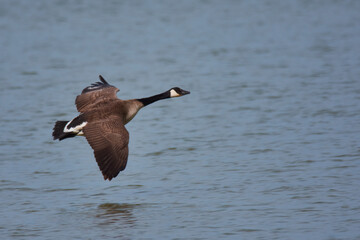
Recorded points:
(58, 131)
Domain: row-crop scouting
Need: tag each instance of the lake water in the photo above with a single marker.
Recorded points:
(266, 146)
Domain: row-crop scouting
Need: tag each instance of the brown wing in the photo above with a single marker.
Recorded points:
(109, 139)
(96, 94)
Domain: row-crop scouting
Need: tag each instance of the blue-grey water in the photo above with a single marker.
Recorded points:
(266, 146)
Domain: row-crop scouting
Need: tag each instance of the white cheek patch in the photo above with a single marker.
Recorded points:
(75, 129)
(173, 93)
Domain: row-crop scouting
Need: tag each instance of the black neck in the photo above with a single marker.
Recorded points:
(149, 100)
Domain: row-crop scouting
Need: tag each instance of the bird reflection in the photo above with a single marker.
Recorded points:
(117, 213)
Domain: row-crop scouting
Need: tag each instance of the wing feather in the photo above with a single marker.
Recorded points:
(96, 94)
(109, 139)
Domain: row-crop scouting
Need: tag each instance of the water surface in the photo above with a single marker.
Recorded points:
(266, 146)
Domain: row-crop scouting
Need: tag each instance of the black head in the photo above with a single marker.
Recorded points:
(178, 92)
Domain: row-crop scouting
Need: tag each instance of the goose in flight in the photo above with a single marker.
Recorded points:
(102, 121)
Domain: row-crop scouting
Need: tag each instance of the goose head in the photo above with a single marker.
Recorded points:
(178, 92)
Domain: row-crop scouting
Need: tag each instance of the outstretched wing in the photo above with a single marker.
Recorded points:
(109, 139)
(96, 94)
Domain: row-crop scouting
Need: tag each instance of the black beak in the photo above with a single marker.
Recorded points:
(184, 92)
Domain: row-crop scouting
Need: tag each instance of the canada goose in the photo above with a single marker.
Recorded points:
(102, 121)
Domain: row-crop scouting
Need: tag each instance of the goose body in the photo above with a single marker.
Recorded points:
(102, 121)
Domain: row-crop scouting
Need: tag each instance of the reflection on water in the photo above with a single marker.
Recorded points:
(121, 214)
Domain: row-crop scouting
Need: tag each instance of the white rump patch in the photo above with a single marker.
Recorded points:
(76, 129)
(173, 93)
